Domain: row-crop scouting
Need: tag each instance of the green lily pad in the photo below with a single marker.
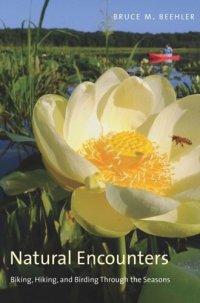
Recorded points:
(20, 182)
(16, 138)
(179, 280)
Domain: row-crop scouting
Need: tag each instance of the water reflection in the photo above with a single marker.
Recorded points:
(162, 58)
(12, 155)
(178, 78)
(156, 61)
(162, 67)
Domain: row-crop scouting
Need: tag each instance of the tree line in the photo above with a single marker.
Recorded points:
(61, 37)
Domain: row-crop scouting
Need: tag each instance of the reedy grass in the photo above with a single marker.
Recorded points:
(32, 70)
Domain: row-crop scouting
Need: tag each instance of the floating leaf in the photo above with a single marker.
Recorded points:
(16, 138)
(20, 182)
(183, 277)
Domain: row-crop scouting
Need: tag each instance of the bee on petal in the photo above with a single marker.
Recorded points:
(181, 140)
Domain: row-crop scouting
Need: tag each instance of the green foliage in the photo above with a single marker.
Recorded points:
(24, 79)
(37, 217)
(20, 182)
(185, 89)
(183, 273)
(16, 138)
(3, 279)
(39, 220)
(97, 39)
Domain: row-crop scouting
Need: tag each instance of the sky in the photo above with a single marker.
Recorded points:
(89, 15)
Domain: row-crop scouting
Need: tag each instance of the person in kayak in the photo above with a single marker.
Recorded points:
(167, 50)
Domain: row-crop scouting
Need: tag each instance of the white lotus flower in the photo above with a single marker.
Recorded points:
(111, 143)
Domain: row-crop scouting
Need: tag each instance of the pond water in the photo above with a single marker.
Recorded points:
(12, 155)
(178, 78)
(173, 75)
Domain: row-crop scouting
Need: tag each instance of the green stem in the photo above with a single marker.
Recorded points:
(121, 269)
(153, 244)
(114, 292)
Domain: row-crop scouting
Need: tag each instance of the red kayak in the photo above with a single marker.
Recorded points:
(156, 61)
(164, 57)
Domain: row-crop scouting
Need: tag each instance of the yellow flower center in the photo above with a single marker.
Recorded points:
(129, 159)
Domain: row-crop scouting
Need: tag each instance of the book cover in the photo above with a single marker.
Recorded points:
(99, 151)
